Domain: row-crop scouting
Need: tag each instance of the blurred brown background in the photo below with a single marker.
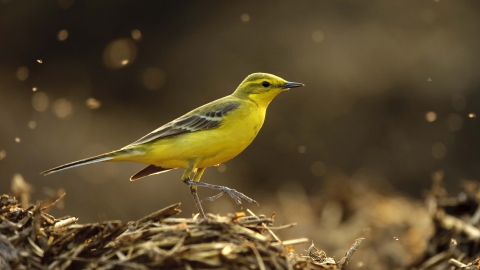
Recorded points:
(391, 95)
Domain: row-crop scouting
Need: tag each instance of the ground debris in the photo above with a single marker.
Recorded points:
(30, 238)
(455, 243)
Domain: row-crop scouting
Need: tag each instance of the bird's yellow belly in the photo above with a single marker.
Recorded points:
(209, 147)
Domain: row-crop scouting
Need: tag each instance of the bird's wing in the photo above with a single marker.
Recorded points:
(209, 116)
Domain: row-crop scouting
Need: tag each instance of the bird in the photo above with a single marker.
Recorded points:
(204, 137)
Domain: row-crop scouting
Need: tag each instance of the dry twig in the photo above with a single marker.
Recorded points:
(31, 238)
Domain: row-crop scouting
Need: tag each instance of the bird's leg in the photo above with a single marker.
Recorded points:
(193, 189)
(236, 196)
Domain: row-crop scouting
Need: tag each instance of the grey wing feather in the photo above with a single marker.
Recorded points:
(189, 123)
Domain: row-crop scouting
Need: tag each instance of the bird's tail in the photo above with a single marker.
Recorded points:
(95, 159)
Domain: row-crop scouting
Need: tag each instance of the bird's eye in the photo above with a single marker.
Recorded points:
(265, 84)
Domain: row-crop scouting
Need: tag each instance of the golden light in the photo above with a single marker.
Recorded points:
(34, 89)
(318, 168)
(3, 154)
(32, 124)
(318, 36)
(439, 150)
(22, 73)
(301, 149)
(136, 35)
(245, 17)
(62, 35)
(431, 116)
(40, 101)
(40, 61)
(62, 108)
(153, 78)
(21, 189)
(119, 53)
(472, 115)
(222, 168)
(17, 139)
(93, 103)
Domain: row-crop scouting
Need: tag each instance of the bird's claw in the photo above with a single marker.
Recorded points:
(236, 196)
(213, 198)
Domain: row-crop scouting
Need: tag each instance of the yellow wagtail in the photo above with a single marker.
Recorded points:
(205, 137)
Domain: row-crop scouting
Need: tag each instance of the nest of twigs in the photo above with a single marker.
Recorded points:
(33, 239)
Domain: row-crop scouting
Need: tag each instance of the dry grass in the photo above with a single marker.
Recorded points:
(32, 239)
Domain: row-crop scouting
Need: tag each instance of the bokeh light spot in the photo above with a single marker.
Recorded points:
(318, 168)
(17, 139)
(431, 116)
(438, 175)
(429, 79)
(32, 124)
(3, 154)
(439, 150)
(454, 122)
(34, 89)
(22, 73)
(40, 61)
(245, 17)
(153, 78)
(119, 53)
(222, 167)
(62, 108)
(136, 35)
(93, 104)
(40, 101)
(318, 36)
(459, 102)
(301, 149)
(62, 35)
(472, 115)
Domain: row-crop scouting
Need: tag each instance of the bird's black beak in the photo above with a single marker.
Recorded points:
(292, 85)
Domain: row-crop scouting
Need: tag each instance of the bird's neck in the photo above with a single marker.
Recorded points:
(262, 100)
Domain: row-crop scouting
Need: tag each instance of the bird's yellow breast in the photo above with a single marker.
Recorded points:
(210, 147)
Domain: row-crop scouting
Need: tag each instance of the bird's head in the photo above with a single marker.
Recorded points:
(263, 87)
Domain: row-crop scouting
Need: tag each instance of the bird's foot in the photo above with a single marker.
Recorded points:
(236, 196)
(213, 198)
